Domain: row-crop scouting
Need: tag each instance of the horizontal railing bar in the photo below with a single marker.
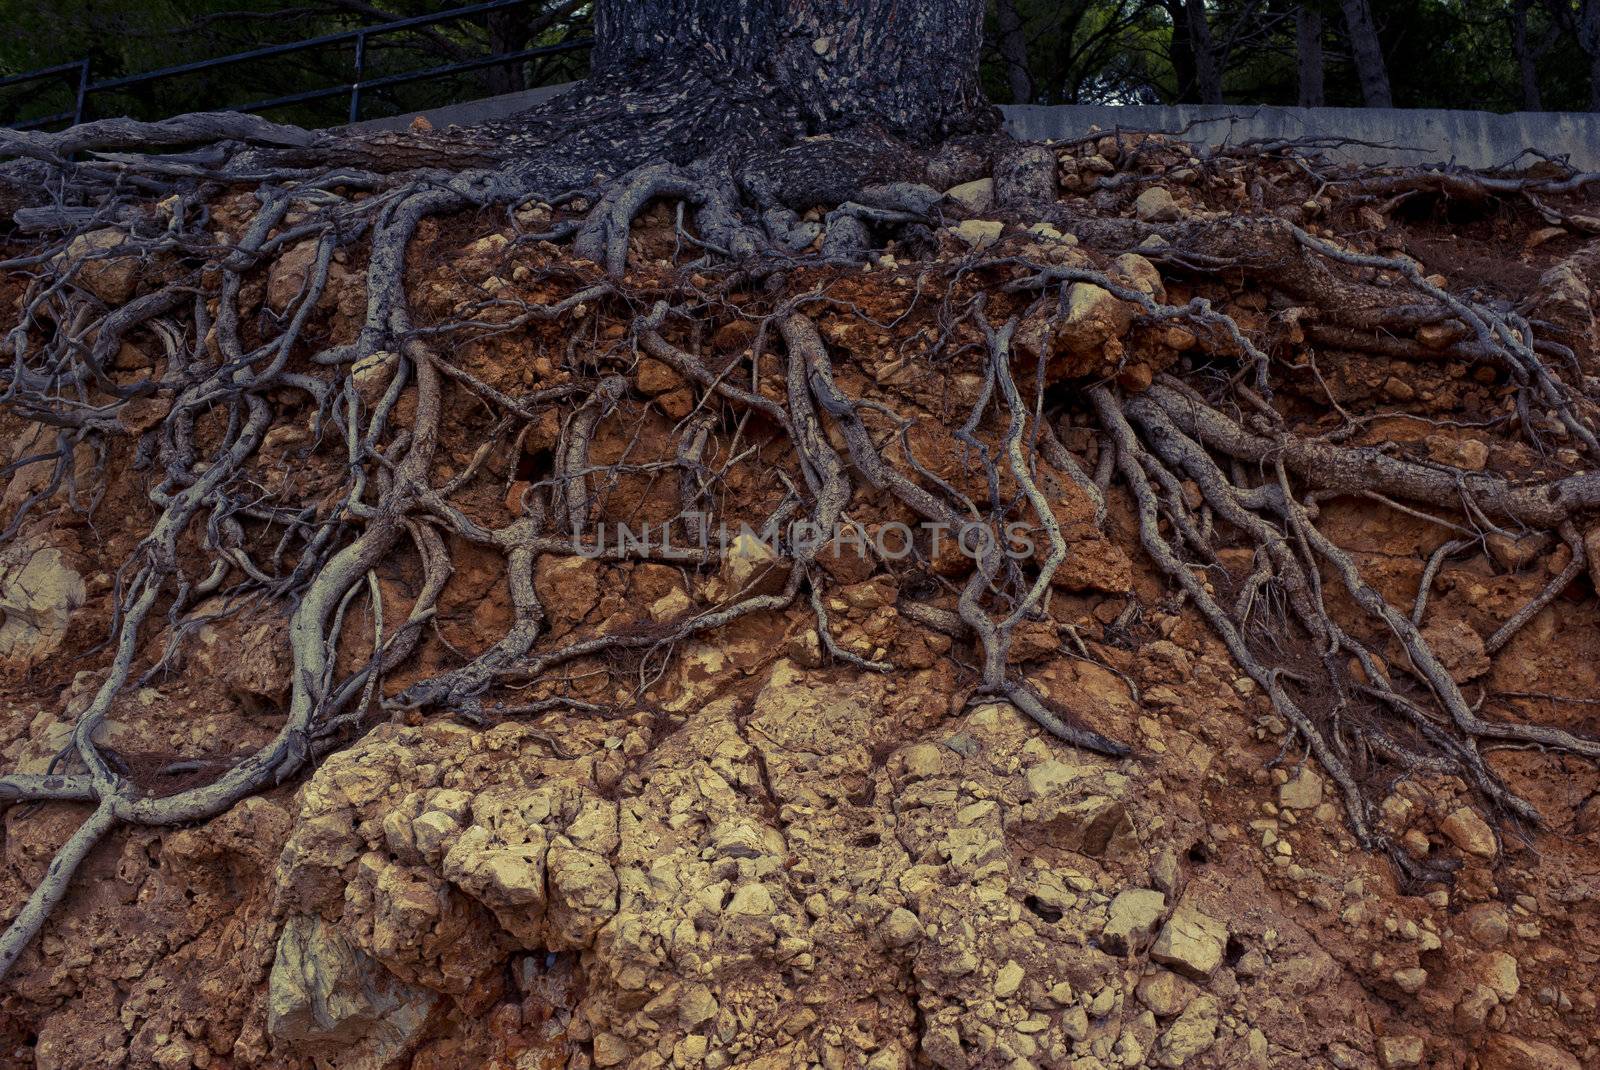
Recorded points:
(44, 72)
(413, 76)
(310, 42)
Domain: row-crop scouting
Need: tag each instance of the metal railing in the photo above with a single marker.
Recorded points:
(78, 70)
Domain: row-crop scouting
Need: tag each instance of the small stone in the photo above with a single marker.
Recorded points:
(922, 761)
(1155, 205)
(753, 900)
(978, 234)
(747, 559)
(1410, 980)
(1303, 792)
(1501, 1051)
(1191, 943)
(1487, 924)
(609, 1049)
(652, 377)
(1008, 980)
(1458, 647)
(1131, 918)
(1498, 971)
(975, 196)
(1399, 1052)
(901, 927)
(696, 1006)
(1471, 833)
(1194, 1031)
(1050, 776)
(1514, 553)
(373, 373)
(1165, 993)
(1399, 389)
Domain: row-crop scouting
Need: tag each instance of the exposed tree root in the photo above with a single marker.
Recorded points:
(1206, 459)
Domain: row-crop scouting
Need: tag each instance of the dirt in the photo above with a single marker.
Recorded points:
(753, 856)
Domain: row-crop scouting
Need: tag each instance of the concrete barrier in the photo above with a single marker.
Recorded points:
(1476, 139)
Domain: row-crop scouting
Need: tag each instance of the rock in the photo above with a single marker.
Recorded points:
(753, 900)
(696, 1007)
(1498, 971)
(1458, 647)
(1051, 776)
(1410, 980)
(582, 897)
(1516, 553)
(1139, 274)
(1008, 979)
(610, 1049)
(1468, 453)
(1502, 1051)
(39, 592)
(1471, 833)
(247, 657)
(1488, 924)
(1131, 918)
(1155, 205)
(923, 760)
(1093, 316)
(1472, 1009)
(670, 606)
(978, 234)
(901, 927)
(1399, 1052)
(373, 373)
(1591, 554)
(975, 196)
(1191, 943)
(110, 278)
(330, 1000)
(1303, 792)
(652, 377)
(1088, 336)
(1165, 993)
(747, 559)
(1193, 1032)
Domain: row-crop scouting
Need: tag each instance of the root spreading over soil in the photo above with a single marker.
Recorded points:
(496, 505)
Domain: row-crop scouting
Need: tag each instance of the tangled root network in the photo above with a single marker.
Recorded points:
(370, 431)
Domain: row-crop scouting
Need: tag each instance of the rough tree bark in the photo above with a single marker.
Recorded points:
(1368, 53)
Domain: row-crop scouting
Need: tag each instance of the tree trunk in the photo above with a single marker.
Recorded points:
(1308, 48)
(508, 32)
(1368, 54)
(1208, 73)
(910, 69)
(1589, 38)
(1014, 51)
(1181, 53)
(1527, 74)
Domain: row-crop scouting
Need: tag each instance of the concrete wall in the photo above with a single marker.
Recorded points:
(1470, 138)
(1475, 139)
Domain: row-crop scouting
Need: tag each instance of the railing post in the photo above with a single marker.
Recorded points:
(83, 91)
(361, 67)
